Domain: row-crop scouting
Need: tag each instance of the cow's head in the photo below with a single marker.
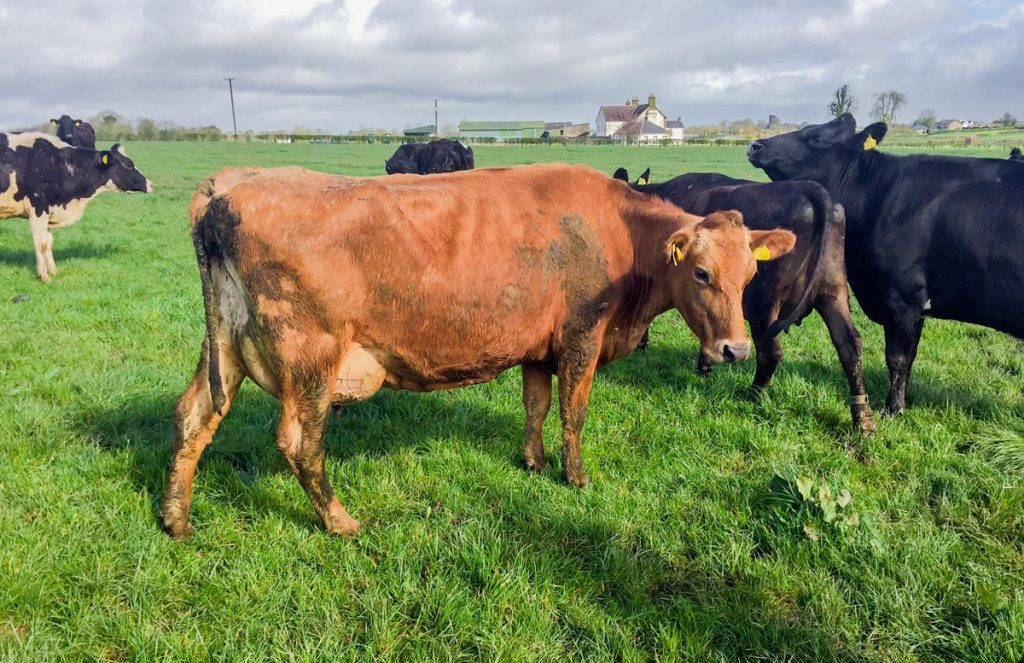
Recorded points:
(710, 264)
(121, 171)
(623, 174)
(815, 152)
(1016, 155)
(65, 127)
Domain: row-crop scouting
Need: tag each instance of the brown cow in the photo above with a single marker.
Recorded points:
(323, 289)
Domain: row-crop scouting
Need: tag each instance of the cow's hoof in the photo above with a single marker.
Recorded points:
(346, 529)
(45, 278)
(892, 410)
(340, 523)
(866, 425)
(535, 463)
(178, 529)
(579, 479)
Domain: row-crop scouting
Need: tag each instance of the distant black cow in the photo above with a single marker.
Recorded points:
(75, 132)
(437, 156)
(50, 183)
(925, 235)
(1015, 155)
(784, 291)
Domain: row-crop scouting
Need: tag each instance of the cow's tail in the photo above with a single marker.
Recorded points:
(826, 216)
(205, 241)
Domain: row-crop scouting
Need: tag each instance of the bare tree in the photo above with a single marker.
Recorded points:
(887, 104)
(842, 101)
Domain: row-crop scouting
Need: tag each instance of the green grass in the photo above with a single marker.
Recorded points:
(689, 544)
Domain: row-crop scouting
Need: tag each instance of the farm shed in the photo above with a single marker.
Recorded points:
(500, 130)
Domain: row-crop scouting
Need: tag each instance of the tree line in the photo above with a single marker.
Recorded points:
(889, 103)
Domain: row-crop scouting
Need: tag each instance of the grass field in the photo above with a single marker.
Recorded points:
(692, 543)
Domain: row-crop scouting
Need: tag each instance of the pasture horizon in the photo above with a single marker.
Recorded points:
(688, 545)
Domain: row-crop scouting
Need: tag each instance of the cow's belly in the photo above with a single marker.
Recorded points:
(9, 207)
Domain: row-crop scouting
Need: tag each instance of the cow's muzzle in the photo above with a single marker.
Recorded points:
(735, 351)
(754, 151)
(149, 186)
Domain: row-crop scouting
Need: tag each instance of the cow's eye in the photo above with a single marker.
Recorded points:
(702, 275)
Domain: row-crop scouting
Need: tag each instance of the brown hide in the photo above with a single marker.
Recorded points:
(325, 288)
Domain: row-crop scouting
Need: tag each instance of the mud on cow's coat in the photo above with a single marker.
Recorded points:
(48, 182)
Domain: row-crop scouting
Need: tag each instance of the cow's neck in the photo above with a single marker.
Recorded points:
(646, 288)
(860, 186)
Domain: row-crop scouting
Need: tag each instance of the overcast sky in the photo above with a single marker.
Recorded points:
(345, 64)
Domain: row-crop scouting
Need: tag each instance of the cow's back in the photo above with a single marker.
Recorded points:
(439, 275)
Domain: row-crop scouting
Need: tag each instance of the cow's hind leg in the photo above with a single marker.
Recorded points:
(835, 311)
(537, 401)
(901, 339)
(42, 240)
(304, 406)
(195, 422)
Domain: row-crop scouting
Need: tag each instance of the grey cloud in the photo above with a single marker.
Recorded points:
(303, 63)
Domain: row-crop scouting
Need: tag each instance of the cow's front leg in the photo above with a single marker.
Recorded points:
(43, 242)
(901, 339)
(537, 401)
(575, 375)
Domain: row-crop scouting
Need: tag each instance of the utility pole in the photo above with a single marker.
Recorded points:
(231, 91)
(437, 129)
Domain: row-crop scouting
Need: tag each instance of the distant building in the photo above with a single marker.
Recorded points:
(418, 132)
(949, 125)
(500, 131)
(566, 129)
(920, 128)
(634, 122)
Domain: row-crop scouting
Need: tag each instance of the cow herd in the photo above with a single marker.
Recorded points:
(323, 289)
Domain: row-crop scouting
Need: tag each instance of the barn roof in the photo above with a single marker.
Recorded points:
(500, 125)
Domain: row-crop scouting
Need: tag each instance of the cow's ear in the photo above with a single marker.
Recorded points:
(871, 136)
(53, 121)
(78, 123)
(644, 178)
(678, 244)
(770, 244)
(621, 174)
(104, 158)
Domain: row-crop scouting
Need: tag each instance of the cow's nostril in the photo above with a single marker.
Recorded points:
(727, 353)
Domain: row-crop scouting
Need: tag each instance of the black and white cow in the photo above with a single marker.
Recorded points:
(926, 235)
(812, 277)
(437, 156)
(1015, 155)
(49, 183)
(75, 132)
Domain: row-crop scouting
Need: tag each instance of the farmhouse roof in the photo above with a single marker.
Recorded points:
(621, 113)
(640, 128)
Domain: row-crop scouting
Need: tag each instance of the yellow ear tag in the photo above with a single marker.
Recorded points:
(677, 255)
(869, 142)
(641, 181)
(105, 160)
(762, 253)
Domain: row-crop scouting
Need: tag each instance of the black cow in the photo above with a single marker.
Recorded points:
(784, 291)
(75, 132)
(925, 235)
(437, 156)
(1015, 155)
(50, 183)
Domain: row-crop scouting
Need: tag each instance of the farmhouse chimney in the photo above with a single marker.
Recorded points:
(650, 102)
(636, 101)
